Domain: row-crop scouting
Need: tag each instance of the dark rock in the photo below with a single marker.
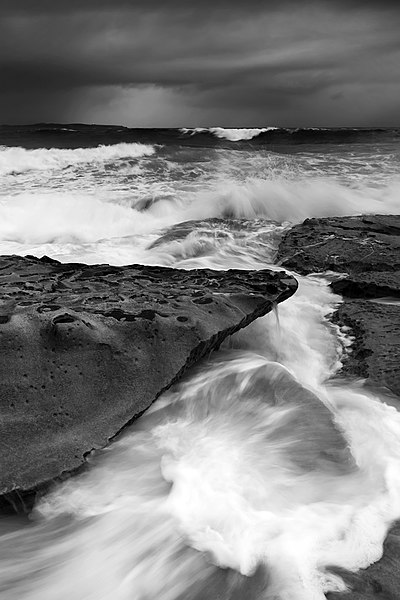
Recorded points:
(375, 353)
(86, 349)
(380, 580)
(366, 251)
(360, 246)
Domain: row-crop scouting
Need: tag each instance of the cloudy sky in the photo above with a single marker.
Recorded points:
(172, 63)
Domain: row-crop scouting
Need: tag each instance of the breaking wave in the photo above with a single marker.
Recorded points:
(33, 216)
(19, 160)
(61, 135)
(290, 135)
(233, 135)
(123, 229)
(292, 201)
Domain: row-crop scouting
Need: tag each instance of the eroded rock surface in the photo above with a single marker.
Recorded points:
(86, 349)
(366, 251)
(367, 248)
(375, 352)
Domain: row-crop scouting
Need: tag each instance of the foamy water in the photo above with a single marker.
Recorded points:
(108, 204)
(14, 161)
(258, 473)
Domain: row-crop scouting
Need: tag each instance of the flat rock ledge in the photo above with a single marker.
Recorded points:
(84, 350)
(364, 251)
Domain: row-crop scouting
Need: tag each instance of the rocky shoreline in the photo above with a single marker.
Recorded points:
(84, 350)
(363, 255)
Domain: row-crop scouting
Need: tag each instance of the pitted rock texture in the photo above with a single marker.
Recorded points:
(86, 349)
(365, 250)
(375, 352)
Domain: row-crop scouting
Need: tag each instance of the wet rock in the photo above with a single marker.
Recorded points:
(375, 352)
(364, 247)
(365, 251)
(86, 349)
(380, 580)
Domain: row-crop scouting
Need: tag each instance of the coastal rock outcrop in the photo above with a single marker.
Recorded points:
(86, 349)
(364, 251)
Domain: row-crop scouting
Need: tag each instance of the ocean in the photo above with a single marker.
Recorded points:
(216, 492)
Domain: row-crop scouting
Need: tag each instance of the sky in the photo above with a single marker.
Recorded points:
(189, 63)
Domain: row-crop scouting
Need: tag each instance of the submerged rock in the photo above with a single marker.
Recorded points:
(365, 250)
(84, 350)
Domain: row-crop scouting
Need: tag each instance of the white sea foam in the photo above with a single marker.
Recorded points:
(58, 217)
(300, 339)
(282, 200)
(114, 213)
(241, 463)
(19, 160)
(236, 135)
(28, 221)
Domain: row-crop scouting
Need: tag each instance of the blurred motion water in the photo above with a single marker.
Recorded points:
(258, 472)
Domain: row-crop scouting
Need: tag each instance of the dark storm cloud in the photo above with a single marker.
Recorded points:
(57, 6)
(253, 60)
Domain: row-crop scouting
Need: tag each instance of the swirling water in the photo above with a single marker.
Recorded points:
(259, 472)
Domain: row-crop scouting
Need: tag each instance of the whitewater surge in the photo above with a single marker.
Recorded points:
(96, 229)
(18, 160)
(92, 214)
(249, 465)
(259, 472)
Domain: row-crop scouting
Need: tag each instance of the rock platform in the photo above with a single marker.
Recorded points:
(84, 350)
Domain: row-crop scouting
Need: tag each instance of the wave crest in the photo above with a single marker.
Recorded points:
(293, 201)
(232, 135)
(19, 160)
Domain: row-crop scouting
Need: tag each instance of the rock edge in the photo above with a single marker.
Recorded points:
(84, 350)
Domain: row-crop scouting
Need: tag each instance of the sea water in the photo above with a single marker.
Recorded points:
(259, 473)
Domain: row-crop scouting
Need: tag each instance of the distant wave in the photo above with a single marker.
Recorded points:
(54, 130)
(79, 136)
(287, 135)
(233, 135)
(19, 160)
